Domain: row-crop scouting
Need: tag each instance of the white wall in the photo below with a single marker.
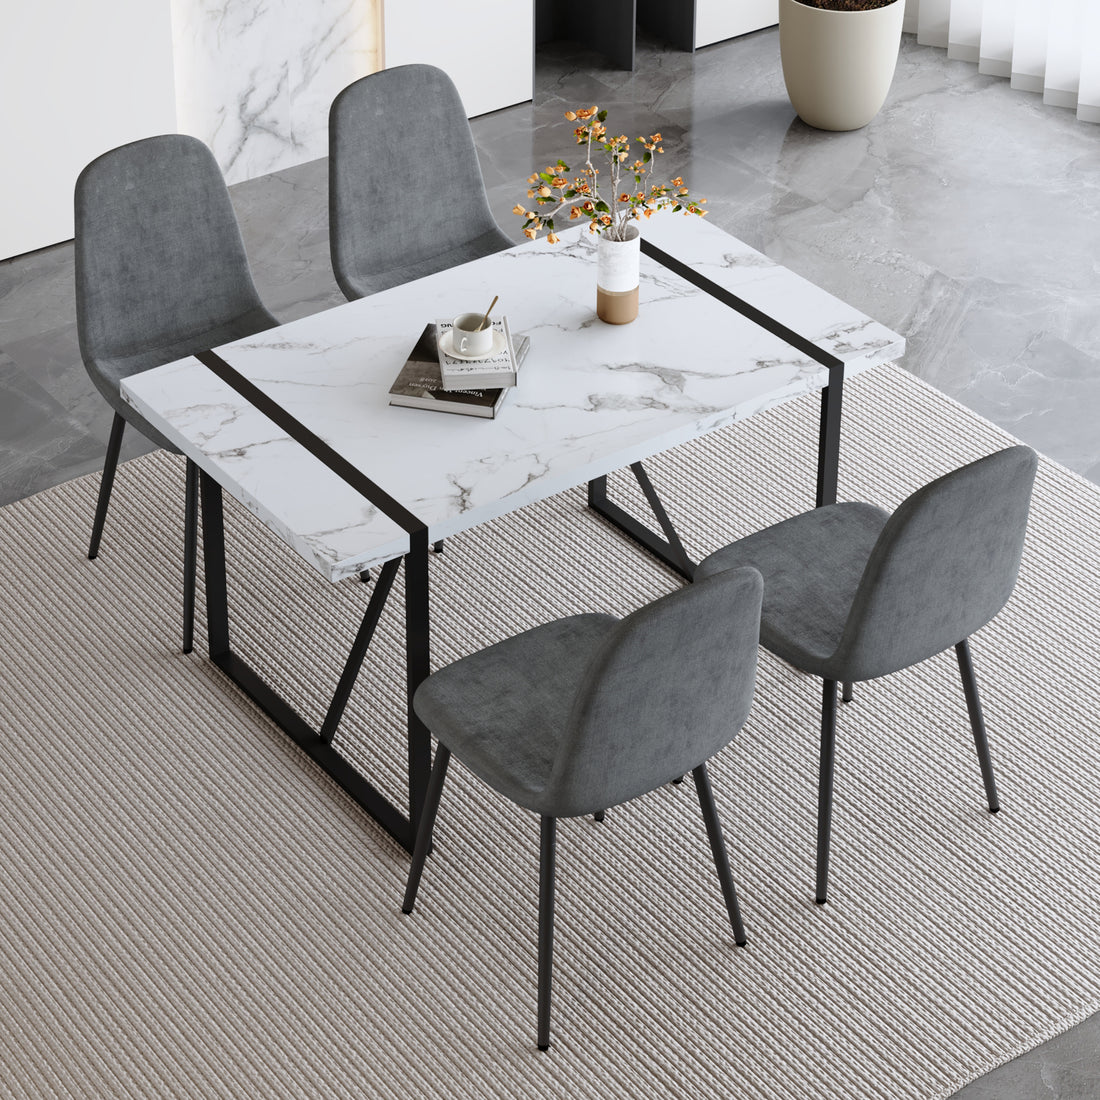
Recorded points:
(716, 20)
(487, 48)
(76, 78)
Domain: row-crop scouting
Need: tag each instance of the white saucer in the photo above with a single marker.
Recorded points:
(447, 346)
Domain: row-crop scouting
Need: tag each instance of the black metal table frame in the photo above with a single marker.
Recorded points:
(318, 743)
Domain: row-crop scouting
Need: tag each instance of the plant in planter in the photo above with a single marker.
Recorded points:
(839, 58)
(611, 210)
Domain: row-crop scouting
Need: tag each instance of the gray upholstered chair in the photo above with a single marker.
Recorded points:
(852, 593)
(406, 197)
(160, 274)
(591, 711)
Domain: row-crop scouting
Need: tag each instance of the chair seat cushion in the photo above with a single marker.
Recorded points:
(811, 565)
(503, 710)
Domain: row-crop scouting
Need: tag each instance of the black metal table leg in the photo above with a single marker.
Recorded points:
(828, 447)
(417, 668)
(668, 549)
(314, 743)
(213, 549)
(359, 650)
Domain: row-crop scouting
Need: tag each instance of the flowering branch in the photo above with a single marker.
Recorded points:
(553, 188)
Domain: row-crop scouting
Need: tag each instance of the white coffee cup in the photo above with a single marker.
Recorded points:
(468, 338)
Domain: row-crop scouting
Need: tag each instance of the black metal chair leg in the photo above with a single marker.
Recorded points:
(106, 482)
(846, 694)
(977, 723)
(718, 850)
(547, 853)
(427, 823)
(825, 788)
(190, 552)
(599, 815)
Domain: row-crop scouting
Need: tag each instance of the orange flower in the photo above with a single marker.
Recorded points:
(544, 191)
(571, 116)
(517, 209)
(530, 234)
(552, 238)
(574, 213)
(624, 197)
(678, 182)
(530, 193)
(559, 181)
(649, 213)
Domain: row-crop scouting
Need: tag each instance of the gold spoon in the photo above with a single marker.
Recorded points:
(485, 319)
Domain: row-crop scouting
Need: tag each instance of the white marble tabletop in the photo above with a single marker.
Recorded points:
(591, 397)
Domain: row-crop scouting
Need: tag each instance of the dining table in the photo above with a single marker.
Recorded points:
(295, 423)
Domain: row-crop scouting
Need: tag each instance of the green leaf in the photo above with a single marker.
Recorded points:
(602, 207)
(568, 194)
(677, 208)
(545, 177)
(602, 116)
(647, 157)
(562, 164)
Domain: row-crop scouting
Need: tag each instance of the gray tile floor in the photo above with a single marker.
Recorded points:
(965, 217)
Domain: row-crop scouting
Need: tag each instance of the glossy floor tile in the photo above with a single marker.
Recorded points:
(966, 216)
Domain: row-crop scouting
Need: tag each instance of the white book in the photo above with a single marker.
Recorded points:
(496, 371)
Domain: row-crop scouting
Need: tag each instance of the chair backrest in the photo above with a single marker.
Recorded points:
(404, 178)
(158, 250)
(945, 563)
(671, 687)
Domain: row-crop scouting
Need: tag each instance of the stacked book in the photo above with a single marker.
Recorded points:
(435, 378)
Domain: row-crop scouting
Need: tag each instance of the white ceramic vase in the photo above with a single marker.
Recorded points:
(838, 65)
(617, 267)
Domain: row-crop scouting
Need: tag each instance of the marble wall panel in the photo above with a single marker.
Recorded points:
(254, 78)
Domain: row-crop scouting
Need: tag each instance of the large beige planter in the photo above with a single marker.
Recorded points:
(838, 65)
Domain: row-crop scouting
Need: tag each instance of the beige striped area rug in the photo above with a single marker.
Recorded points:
(190, 909)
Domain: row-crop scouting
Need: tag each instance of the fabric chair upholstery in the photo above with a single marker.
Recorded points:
(852, 593)
(406, 196)
(589, 711)
(161, 273)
